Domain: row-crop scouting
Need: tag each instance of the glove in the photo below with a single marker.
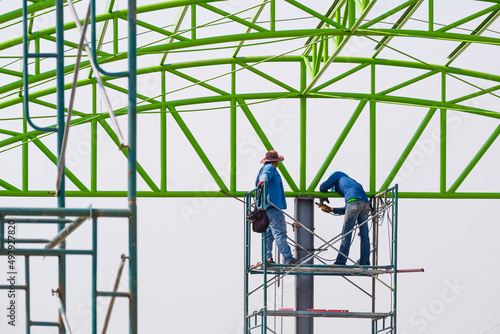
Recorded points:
(260, 183)
(326, 208)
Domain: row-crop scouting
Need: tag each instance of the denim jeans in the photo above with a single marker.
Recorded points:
(277, 231)
(355, 212)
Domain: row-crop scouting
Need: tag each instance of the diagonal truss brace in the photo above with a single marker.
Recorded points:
(339, 48)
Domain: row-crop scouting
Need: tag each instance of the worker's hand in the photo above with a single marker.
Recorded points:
(260, 183)
(326, 208)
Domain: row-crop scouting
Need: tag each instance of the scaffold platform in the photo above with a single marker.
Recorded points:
(320, 269)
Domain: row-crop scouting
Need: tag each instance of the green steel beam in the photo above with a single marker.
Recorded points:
(363, 61)
(233, 133)
(140, 170)
(480, 153)
(478, 31)
(336, 146)
(469, 18)
(232, 17)
(162, 31)
(241, 194)
(196, 81)
(8, 186)
(406, 152)
(196, 146)
(163, 134)
(373, 135)
(177, 25)
(339, 77)
(268, 77)
(387, 14)
(303, 130)
(265, 141)
(308, 10)
(353, 26)
(443, 138)
(400, 23)
(347, 17)
(52, 157)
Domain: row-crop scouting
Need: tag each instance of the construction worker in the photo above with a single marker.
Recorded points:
(275, 195)
(356, 210)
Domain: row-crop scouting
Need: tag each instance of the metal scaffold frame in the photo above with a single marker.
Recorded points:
(385, 205)
(10, 217)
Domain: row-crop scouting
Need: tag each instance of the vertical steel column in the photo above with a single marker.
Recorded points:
(375, 205)
(61, 192)
(373, 134)
(27, 296)
(304, 213)
(395, 252)
(132, 160)
(233, 132)
(246, 262)
(443, 134)
(94, 275)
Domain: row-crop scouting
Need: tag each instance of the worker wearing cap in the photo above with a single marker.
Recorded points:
(275, 195)
(356, 210)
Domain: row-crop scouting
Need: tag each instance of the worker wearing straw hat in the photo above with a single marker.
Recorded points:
(275, 195)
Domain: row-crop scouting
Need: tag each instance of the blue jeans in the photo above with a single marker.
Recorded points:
(277, 231)
(355, 212)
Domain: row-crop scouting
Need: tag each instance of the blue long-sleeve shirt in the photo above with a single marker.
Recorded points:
(275, 190)
(345, 186)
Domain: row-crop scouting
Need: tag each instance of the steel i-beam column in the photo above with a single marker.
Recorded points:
(304, 213)
(132, 161)
(61, 192)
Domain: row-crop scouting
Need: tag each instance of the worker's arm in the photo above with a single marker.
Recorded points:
(265, 175)
(339, 211)
(325, 186)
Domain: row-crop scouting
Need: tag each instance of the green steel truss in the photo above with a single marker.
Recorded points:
(316, 39)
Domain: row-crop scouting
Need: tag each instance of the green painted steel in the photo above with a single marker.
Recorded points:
(317, 47)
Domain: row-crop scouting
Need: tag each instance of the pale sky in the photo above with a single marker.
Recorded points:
(191, 249)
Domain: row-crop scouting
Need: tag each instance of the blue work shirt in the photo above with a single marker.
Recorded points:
(275, 191)
(345, 186)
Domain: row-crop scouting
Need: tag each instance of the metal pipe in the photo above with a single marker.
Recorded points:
(94, 275)
(27, 294)
(68, 229)
(2, 232)
(132, 162)
(62, 151)
(443, 138)
(62, 312)
(65, 212)
(44, 323)
(39, 220)
(25, 72)
(115, 289)
(376, 203)
(94, 64)
(49, 252)
(113, 294)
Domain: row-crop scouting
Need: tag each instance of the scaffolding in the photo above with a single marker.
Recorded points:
(383, 318)
(12, 218)
(69, 220)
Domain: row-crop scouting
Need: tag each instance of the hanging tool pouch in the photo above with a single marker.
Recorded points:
(258, 217)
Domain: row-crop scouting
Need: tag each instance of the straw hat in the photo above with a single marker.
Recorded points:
(272, 156)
